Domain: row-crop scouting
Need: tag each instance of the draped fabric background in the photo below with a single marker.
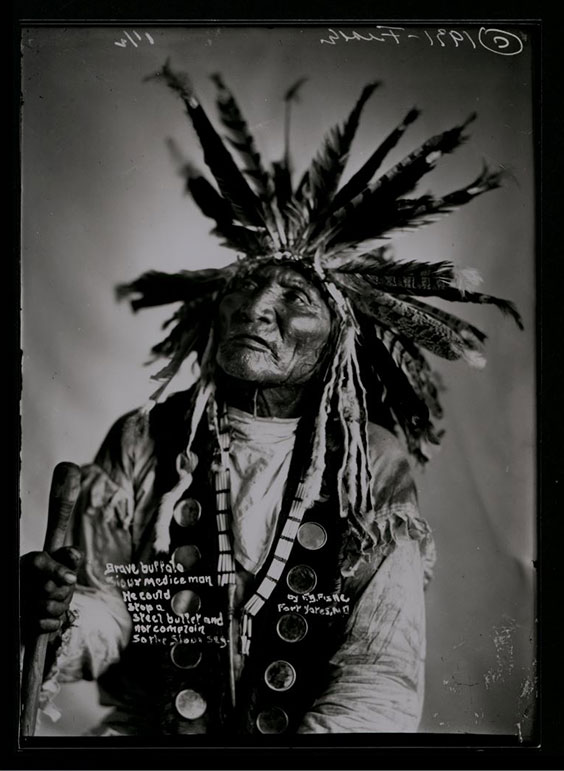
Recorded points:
(102, 203)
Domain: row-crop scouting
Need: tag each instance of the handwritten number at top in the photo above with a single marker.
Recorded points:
(123, 42)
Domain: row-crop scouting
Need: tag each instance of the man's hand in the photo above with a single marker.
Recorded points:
(47, 587)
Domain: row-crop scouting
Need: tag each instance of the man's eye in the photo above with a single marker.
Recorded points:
(295, 295)
(245, 284)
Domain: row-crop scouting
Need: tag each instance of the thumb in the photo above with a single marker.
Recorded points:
(69, 556)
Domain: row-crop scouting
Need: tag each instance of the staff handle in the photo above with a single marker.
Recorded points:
(65, 486)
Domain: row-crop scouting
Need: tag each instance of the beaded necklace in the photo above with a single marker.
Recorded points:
(219, 425)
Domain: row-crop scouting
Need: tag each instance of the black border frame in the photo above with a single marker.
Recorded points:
(358, 751)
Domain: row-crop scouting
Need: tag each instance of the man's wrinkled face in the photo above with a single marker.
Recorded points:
(273, 326)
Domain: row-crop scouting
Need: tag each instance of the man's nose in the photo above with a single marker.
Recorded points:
(258, 306)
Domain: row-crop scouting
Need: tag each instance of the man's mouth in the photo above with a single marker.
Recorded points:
(255, 342)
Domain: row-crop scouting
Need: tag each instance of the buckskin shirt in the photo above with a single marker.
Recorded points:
(332, 650)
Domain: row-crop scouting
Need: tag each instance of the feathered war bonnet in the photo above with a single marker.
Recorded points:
(328, 230)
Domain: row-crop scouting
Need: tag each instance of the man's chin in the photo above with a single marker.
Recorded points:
(249, 367)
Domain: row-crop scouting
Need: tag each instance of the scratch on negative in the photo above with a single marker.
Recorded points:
(527, 704)
(504, 654)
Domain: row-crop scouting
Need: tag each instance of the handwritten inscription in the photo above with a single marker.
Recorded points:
(497, 41)
(148, 589)
(133, 38)
(317, 604)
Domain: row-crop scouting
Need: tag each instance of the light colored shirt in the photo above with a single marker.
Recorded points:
(259, 455)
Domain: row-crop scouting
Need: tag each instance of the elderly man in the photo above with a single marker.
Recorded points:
(254, 561)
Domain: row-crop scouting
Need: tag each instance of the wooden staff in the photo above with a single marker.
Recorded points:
(65, 486)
